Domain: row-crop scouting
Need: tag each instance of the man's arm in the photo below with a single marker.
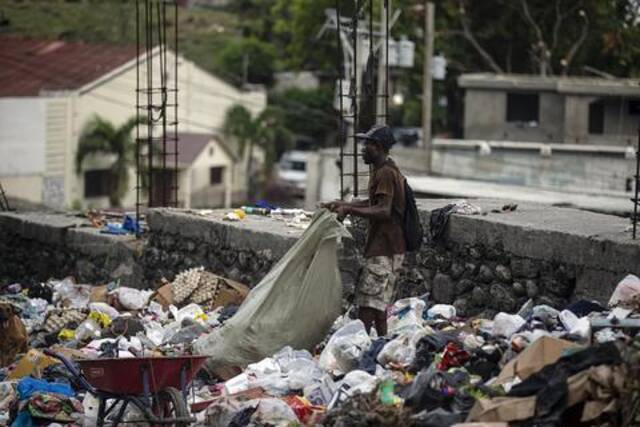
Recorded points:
(381, 209)
(333, 206)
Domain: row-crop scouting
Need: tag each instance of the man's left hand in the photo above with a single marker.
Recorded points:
(342, 212)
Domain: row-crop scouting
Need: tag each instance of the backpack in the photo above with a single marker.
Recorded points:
(411, 225)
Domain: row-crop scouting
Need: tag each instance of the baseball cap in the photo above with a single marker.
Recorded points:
(379, 133)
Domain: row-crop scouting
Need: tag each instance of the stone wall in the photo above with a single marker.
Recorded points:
(38, 246)
(244, 252)
(483, 263)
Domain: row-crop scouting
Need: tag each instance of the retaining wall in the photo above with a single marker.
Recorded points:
(483, 263)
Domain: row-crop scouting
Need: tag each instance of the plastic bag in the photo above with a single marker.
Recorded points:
(505, 324)
(401, 351)
(625, 290)
(70, 295)
(406, 314)
(345, 347)
(273, 412)
(294, 304)
(303, 372)
(191, 311)
(443, 310)
(321, 392)
(133, 299)
(89, 329)
(359, 382)
(155, 332)
(104, 308)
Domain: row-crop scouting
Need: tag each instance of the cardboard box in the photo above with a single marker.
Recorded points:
(542, 352)
(99, 294)
(230, 292)
(164, 296)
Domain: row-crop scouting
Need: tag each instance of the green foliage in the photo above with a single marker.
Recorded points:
(258, 56)
(100, 136)
(307, 112)
(267, 131)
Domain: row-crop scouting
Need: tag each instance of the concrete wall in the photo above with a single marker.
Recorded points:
(486, 118)
(22, 147)
(557, 167)
(481, 264)
(562, 118)
(549, 166)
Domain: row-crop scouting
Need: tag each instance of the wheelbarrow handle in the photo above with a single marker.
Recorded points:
(70, 367)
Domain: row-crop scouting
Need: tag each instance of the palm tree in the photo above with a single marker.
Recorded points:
(267, 131)
(100, 136)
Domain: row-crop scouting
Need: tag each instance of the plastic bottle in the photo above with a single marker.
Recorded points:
(249, 210)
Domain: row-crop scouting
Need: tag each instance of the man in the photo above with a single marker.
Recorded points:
(385, 247)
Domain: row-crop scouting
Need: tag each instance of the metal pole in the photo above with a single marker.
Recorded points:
(175, 108)
(138, 116)
(356, 96)
(427, 84)
(340, 102)
(635, 199)
(149, 63)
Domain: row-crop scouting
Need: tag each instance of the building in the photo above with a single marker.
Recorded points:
(49, 90)
(206, 171)
(575, 110)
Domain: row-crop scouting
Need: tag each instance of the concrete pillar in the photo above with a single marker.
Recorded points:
(576, 119)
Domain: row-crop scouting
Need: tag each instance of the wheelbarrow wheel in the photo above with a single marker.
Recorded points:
(170, 404)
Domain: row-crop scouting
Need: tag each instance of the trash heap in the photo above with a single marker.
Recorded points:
(281, 355)
(91, 322)
(541, 366)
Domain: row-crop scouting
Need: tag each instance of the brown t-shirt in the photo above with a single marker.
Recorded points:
(386, 237)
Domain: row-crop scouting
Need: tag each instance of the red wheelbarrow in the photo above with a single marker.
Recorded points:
(157, 386)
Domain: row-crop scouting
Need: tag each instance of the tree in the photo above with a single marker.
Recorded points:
(100, 136)
(307, 112)
(249, 57)
(266, 131)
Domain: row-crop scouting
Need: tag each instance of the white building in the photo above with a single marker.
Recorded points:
(49, 90)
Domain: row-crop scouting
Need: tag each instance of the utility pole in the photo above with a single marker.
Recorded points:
(427, 82)
(382, 104)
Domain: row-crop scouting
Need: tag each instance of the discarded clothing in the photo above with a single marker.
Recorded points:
(583, 308)
(438, 221)
(28, 386)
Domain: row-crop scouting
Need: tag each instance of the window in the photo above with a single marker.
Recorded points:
(215, 175)
(634, 107)
(98, 183)
(596, 117)
(523, 107)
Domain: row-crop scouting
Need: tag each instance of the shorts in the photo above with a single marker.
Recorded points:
(377, 281)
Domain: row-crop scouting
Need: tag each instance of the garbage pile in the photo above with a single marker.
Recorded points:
(97, 322)
(541, 366)
(281, 354)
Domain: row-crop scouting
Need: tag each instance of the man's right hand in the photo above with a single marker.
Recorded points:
(333, 206)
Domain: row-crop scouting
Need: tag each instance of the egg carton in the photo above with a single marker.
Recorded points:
(185, 284)
(60, 318)
(207, 290)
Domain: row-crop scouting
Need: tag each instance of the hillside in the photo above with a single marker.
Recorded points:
(203, 32)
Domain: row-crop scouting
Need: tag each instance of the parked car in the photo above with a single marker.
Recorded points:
(292, 172)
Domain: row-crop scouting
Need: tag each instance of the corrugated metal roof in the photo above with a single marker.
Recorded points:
(28, 66)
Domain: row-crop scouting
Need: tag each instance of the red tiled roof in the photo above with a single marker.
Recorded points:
(29, 66)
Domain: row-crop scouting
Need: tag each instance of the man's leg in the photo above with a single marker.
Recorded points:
(381, 322)
(368, 317)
